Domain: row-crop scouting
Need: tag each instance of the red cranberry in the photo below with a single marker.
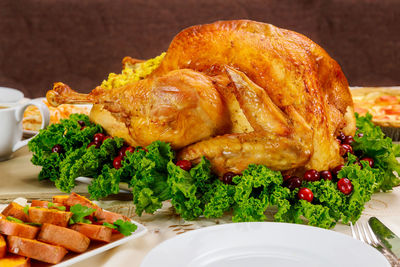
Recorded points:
(369, 160)
(57, 149)
(184, 164)
(292, 183)
(121, 152)
(227, 178)
(286, 177)
(348, 140)
(306, 194)
(336, 170)
(99, 137)
(83, 128)
(81, 123)
(360, 135)
(345, 186)
(345, 148)
(117, 162)
(97, 145)
(341, 137)
(311, 175)
(326, 175)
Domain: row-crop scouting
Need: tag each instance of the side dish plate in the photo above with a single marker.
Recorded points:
(95, 247)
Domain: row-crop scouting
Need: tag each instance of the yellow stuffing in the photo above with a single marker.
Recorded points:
(132, 73)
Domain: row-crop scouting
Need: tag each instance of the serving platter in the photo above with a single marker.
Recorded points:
(95, 248)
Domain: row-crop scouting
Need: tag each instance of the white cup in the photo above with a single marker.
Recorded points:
(11, 115)
(9, 95)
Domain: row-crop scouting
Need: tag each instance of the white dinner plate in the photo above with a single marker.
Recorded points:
(263, 244)
(94, 248)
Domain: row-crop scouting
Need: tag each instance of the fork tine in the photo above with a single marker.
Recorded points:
(372, 234)
(353, 231)
(360, 235)
(366, 234)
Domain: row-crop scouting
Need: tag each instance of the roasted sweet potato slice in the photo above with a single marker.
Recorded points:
(74, 199)
(18, 229)
(108, 216)
(15, 261)
(35, 249)
(94, 232)
(61, 199)
(15, 210)
(3, 247)
(52, 216)
(45, 204)
(65, 237)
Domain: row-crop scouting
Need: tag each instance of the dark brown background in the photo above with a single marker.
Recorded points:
(80, 42)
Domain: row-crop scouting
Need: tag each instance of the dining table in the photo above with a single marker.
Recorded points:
(19, 178)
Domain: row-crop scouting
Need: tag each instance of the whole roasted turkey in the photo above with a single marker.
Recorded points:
(237, 92)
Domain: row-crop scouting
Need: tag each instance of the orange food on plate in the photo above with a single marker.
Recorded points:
(3, 247)
(43, 215)
(61, 199)
(35, 249)
(15, 210)
(14, 261)
(65, 237)
(45, 204)
(108, 216)
(74, 199)
(100, 214)
(18, 229)
(32, 119)
(93, 231)
(47, 233)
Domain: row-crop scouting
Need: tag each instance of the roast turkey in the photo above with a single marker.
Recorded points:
(237, 92)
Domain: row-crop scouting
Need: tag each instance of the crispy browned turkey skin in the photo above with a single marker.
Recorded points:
(236, 92)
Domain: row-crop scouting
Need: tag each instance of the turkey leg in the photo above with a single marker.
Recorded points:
(63, 94)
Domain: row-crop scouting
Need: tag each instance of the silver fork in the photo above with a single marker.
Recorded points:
(364, 233)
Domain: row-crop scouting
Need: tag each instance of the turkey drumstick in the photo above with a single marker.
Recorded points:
(63, 94)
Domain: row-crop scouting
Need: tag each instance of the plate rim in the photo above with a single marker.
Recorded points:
(147, 260)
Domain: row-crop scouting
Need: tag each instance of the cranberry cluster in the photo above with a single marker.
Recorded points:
(346, 147)
(344, 185)
(345, 144)
(98, 139)
(117, 162)
(292, 182)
